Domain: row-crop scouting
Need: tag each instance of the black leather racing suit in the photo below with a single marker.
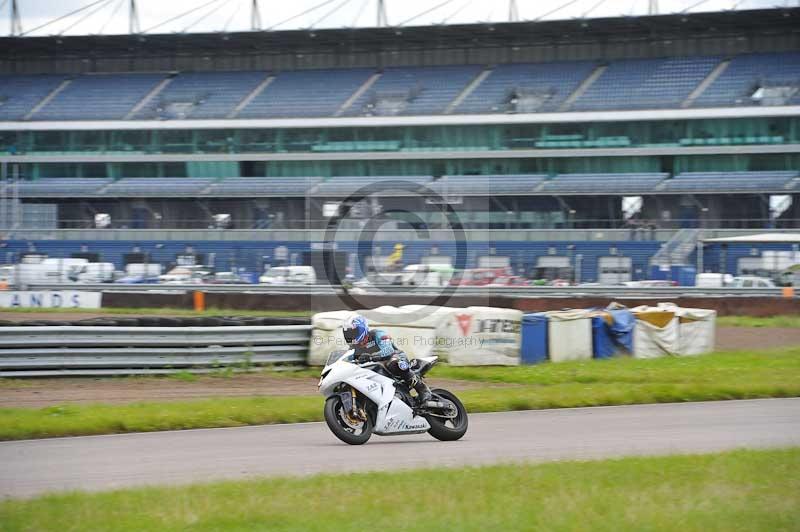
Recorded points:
(379, 347)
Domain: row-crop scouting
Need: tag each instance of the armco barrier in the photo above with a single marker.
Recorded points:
(60, 350)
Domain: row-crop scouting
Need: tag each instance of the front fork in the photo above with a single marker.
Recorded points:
(350, 404)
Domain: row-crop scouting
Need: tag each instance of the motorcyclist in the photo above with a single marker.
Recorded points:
(377, 346)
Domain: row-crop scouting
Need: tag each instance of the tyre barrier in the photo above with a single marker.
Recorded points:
(145, 345)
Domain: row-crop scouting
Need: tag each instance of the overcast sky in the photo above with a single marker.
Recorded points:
(111, 16)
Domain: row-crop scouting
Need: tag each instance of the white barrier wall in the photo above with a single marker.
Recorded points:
(460, 336)
(479, 336)
(50, 299)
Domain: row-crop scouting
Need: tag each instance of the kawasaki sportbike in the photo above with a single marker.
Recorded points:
(362, 399)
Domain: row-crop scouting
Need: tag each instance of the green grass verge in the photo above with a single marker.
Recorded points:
(163, 311)
(744, 375)
(790, 321)
(739, 490)
(79, 420)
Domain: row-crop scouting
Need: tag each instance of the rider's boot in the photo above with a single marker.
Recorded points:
(423, 392)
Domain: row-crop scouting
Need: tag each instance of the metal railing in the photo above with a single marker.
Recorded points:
(510, 291)
(93, 350)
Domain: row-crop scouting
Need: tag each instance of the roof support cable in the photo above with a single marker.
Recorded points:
(456, 12)
(307, 11)
(359, 12)
(595, 6)
(62, 17)
(336, 8)
(179, 16)
(696, 4)
(230, 18)
(556, 10)
(434, 8)
(112, 17)
(86, 16)
(203, 17)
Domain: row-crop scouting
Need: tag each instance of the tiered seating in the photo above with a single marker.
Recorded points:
(736, 84)
(263, 186)
(99, 97)
(343, 186)
(306, 93)
(158, 186)
(556, 80)
(645, 83)
(20, 94)
(62, 187)
(418, 90)
(209, 94)
(604, 183)
(486, 185)
(772, 181)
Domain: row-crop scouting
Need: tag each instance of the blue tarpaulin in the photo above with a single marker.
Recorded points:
(616, 337)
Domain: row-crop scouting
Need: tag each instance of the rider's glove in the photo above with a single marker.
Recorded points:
(362, 359)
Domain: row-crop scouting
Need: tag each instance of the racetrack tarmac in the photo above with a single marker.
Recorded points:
(93, 463)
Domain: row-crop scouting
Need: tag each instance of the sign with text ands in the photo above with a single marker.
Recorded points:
(50, 299)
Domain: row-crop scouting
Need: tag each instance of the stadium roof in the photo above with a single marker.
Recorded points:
(762, 21)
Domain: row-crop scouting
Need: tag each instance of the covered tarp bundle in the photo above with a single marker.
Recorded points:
(612, 332)
(570, 335)
(672, 330)
(696, 328)
(461, 336)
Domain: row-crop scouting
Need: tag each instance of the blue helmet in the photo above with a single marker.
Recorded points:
(355, 329)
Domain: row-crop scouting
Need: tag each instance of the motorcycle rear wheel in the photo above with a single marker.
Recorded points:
(335, 419)
(448, 429)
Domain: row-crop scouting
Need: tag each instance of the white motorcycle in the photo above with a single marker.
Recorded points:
(362, 399)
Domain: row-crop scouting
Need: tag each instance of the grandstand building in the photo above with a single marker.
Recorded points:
(600, 146)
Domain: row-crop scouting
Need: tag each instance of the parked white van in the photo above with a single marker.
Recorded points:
(713, 280)
(282, 275)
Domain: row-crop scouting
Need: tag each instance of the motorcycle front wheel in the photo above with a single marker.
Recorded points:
(343, 426)
(448, 429)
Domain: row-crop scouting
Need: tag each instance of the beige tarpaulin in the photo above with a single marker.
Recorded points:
(696, 329)
(655, 333)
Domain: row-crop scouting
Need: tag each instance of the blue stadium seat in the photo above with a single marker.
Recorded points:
(346, 185)
(645, 83)
(158, 186)
(486, 185)
(20, 94)
(418, 90)
(714, 182)
(62, 187)
(263, 186)
(555, 80)
(306, 93)
(205, 94)
(604, 183)
(745, 73)
(99, 97)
